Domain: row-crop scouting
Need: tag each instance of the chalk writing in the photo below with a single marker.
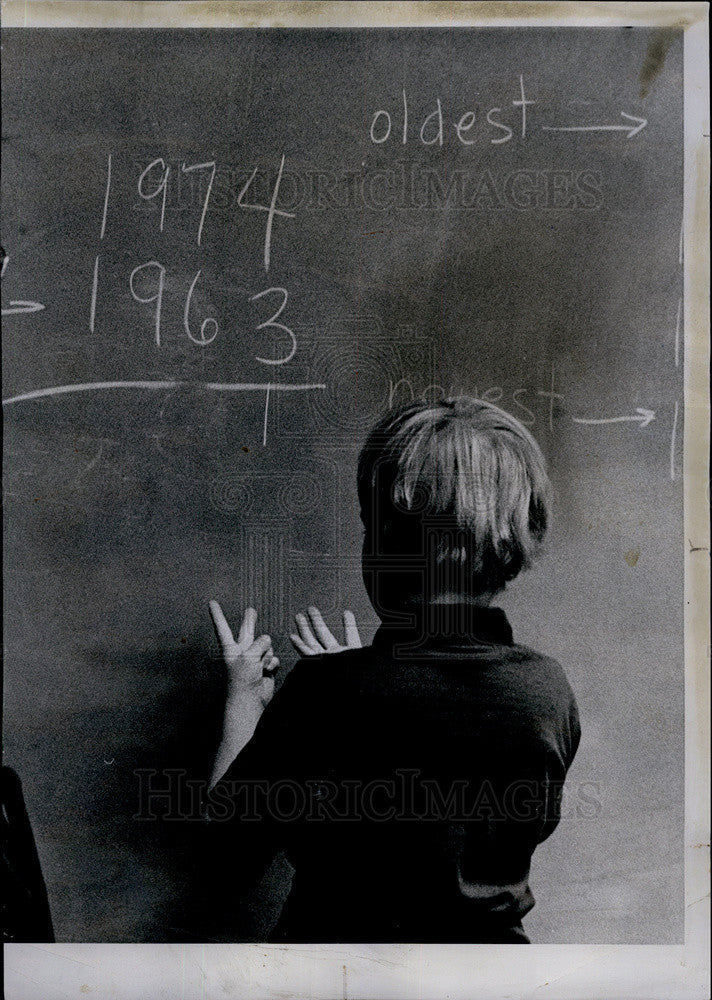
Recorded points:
(162, 187)
(272, 210)
(278, 326)
(61, 390)
(551, 396)
(673, 437)
(209, 323)
(202, 166)
(403, 390)
(434, 127)
(17, 305)
(641, 416)
(156, 297)
(94, 289)
(630, 130)
(106, 198)
(147, 281)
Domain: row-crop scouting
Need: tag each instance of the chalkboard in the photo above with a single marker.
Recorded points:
(226, 253)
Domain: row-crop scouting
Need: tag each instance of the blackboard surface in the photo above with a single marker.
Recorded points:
(374, 215)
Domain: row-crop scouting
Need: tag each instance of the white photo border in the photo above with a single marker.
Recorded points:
(458, 972)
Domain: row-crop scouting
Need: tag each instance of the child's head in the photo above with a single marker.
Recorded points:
(454, 498)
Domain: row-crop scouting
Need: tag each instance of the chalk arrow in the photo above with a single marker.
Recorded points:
(643, 417)
(20, 306)
(630, 129)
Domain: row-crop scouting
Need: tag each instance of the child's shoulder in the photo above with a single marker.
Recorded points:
(314, 670)
(542, 672)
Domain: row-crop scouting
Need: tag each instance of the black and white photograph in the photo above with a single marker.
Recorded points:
(356, 498)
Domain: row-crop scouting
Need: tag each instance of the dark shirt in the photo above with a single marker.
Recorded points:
(408, 783)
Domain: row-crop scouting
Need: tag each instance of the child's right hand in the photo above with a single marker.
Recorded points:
(250, 663)
(315, 637)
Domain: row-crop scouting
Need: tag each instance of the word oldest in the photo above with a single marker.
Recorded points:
(398, 125)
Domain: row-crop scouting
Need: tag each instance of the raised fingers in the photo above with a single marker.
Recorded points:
(353, 639)
(247, 630)
(301, 646)
(324, 635)
(306, 634)
(222, 629)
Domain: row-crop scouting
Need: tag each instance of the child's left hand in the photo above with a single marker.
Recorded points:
(322, 640)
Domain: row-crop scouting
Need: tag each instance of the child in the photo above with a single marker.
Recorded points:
(408, 781)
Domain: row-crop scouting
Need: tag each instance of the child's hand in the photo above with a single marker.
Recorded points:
(309, 644)
(251, 663)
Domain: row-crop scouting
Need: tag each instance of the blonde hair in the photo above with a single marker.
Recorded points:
(459, 482)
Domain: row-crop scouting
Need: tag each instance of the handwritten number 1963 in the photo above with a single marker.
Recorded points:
(152, 186)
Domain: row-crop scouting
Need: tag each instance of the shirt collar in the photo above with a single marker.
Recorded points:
(448, 625)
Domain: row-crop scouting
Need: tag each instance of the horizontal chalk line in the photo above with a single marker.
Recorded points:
(60, 390)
